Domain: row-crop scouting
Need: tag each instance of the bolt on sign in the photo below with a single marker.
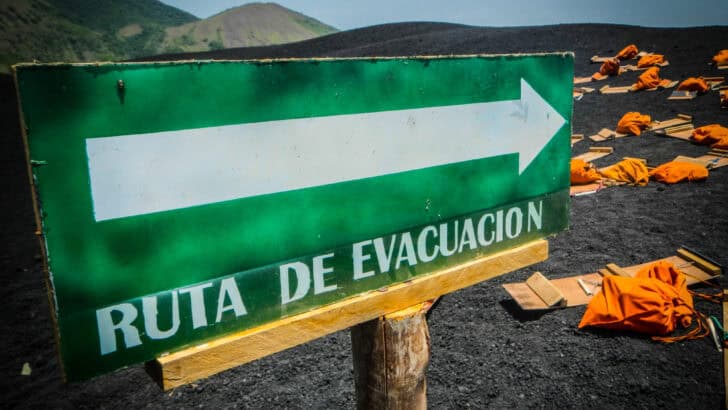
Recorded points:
(183, 201)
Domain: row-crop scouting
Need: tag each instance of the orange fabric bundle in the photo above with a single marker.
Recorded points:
(649, 79)
(675, 171)
(721, 58)
(722, 144)
(694, 84)
(610, 67)
(633, 123)
(652, 302)
(583, 172)
(630, 170)
(628, 52)
(709, 134)
(650, 60)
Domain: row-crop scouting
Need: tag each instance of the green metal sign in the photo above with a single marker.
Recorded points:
(183, 201)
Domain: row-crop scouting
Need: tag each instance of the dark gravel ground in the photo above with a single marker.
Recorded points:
(485, 352)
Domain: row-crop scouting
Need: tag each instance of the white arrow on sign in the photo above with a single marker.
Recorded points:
(145, 173)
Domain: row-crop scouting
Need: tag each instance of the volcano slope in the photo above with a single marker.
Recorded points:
(485, 353)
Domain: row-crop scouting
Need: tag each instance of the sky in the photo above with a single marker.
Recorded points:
(346, 15)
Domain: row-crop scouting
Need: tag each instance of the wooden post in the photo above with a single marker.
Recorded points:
(391, 354)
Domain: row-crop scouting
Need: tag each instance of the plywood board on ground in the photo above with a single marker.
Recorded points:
(545, 290)
(683, 132)
(714, 82)
(573, 292)
(632, 67)
(598, 59)
(601, 59)
(606, 134)
(594, 153)
(586, 189)
(709, 161)
(580, 91)
(615, 90)
(664, 83)
(681, 119)
(693, 272)
(682, 95)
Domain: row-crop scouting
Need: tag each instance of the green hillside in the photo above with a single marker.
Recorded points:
(102, 30)
(253, 24)
(83, 30)
(111, 15)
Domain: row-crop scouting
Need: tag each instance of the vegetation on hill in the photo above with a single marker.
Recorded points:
(253, 24)
(82, 30)
(101, 30)
(112, 18)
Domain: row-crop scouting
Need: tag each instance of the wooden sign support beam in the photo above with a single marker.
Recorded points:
(390, 356)
(183, 367)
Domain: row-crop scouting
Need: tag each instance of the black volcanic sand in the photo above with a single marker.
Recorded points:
(485, 353)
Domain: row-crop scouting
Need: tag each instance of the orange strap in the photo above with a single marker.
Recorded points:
(700, 330)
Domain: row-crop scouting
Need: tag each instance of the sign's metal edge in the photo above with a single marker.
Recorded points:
(279, 60)
(40, 231)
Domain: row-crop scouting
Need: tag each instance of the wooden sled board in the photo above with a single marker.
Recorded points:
(606, 134)
(579, 92)
(586, 189)
(615, 90)
(683, 132)
(694, 273)
(576, 138)
(594, 153)
(681, 119)
(696, 269)
(573, 293)
(679, 95)
(593, 188)
(714, 82)
(600, 59)
(709, 160)
(632, 67)
(600, 77)
(664, 84)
